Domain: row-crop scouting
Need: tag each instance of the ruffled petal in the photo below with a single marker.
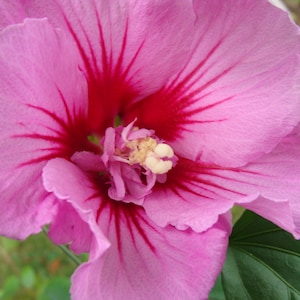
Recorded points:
(144, 260)
(41, 112)
(189, 198)
(77, 216)
(196, 194)
(238, 94)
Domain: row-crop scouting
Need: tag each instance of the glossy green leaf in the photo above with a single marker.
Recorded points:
(263, 262)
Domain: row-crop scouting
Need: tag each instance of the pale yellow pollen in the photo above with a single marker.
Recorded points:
(148, 153)
(140, 149)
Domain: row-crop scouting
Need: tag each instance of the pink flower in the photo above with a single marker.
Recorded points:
(133, 127)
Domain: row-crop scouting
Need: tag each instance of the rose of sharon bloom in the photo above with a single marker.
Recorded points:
(133, 127)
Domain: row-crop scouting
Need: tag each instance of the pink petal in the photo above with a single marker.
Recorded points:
(149, 262)
(189, 198)
(277, 177)
(11, 12)
(238, 93)
(196, 194)
(123, 44)
(69, 228)
(88, 161)
(37, 122)
(144, 260)
(77, 214)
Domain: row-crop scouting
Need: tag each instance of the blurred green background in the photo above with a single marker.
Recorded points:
(36, 269)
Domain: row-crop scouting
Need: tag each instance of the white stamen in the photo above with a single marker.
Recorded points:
(164, 150)
(158, 166)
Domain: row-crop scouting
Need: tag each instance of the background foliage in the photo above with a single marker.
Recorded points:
(34, 269)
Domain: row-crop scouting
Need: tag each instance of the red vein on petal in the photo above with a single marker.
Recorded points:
(178, 87)
(108, 86)
(211, 81)
(52, 115)
(201, 109)
(129, 66)
(141, 231)
(71, 137)
(39, 159)
(80, 47)
(130, 228)
(118, 67)
(128, 215)
(105, 64)
(167, 112)
(45, 137)
(117, 220)
(188, 172)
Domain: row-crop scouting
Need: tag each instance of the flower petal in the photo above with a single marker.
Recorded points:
(149, 262)
(11, 12)
(81, 203)
(196, 194)
(238, 94)
(37, 121)
(68, 228)
(144, 260)
(123, 45)
(277, 177)
(189, 198)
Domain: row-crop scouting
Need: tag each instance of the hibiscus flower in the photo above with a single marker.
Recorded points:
(133, 127)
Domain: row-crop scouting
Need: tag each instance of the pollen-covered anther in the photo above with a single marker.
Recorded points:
(157, 165)
(156, 157)
(164, 150)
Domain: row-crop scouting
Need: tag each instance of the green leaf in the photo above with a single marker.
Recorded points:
(217, 292)
(263, 262)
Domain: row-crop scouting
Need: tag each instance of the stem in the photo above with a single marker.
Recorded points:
(70, 254)
(66, 250)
